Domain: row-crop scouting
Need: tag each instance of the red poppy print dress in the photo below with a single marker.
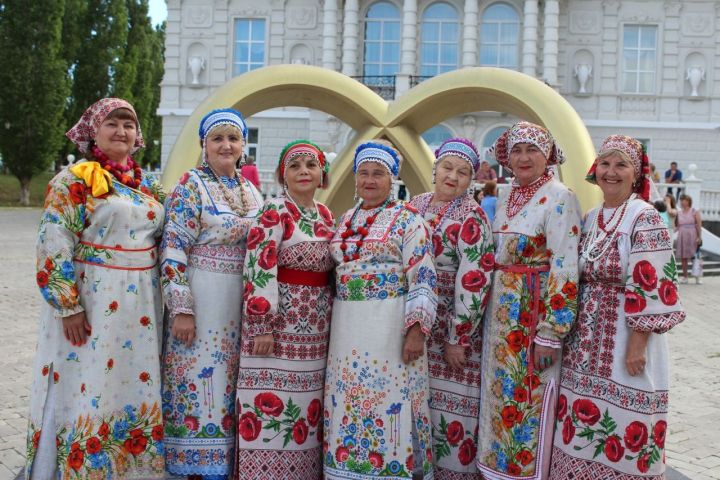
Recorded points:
(611, 425)
(287, 294)
(533, 301)
(464, 261)
(202, 256)
(95, 408)
(376, 406)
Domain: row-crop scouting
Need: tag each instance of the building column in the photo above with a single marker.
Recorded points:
(530, 37)
(329, 52)
(350, 38)
(550, 42)
(470, 34)
(408, 47)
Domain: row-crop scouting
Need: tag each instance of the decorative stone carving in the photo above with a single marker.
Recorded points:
(197, 16)
(333, 131)
(584, 22)
(695, 75)
(698, 25)
(469, 126)
(302, 17)
(631, 105)
(196, 66)
(583, 72)
(610, 7)
(249, 12)
(672, 8)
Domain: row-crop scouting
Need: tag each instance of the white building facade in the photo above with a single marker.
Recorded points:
(646, 68)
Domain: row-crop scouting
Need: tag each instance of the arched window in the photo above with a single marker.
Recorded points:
(488, 141)
(500, 37)
(436, 135)
(439, 40)
(382, 40)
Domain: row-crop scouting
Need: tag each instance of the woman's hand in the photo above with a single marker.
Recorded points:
(544, 357)
(183, 328)
(455, 355)
(76, 328)
(263, 345)
(635, 355)
(414, 344)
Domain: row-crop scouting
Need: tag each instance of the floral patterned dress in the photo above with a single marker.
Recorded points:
(534, 296)
(611, 425)
(464, 261)
(376, 406)
(287, 293)
(99, 402)
(202, 257)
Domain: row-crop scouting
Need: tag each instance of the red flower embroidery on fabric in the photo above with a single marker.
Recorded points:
(487, 262)
(144, 321)
(634, 303)
(613, 448)
(93, 445)
(452, 233)
(248, 289)
(473, 281)
(520, 394)
(137, 442)
(510, 416)
(293, 210)
(528, 251)
(668, 292)
(270, 218)
(659, 431)
(643, 463)
(113, 306)
(45, 370)
(228, 422)
(570, 290)
(258, 306)
(376, 459)
(540, 240)
(467, 452)
(110, 364)
(42, 279)
(191, 423)
(249, 426)
(269, 403)
(255, 236)
(636, 435)
(56, 377)
(515, 340)
(313, 412)
(76, 457)
(470, 232)
(157, 433)
(36, 439)
(586, 411)
(513, 469)
(455, 433)
(568, 430)
(542, 201)
(557, 302)
(288, 225)
(151, 215)
(575, 230)
(104, 430)
(77, 193)
(437, 245)
(525, 319)
(321, 231)
(300, 431)
(181, 267)
(644, 275)
(325, 214)
(268, 257)
(183, 180)
(169, 272)
(533, 382)
(342, 454)
(562, 407)
(524, 457)
(144, 376)
(49, 265)
(463, 329)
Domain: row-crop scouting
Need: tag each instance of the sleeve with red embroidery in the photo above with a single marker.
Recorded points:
(651, 296)
(562, 230)
(181, 231)
(419, 269)
(260, 292)
(61, 225)
(476, 254)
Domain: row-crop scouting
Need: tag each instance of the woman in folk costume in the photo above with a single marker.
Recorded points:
(376, 418)
(286, 325)
(533, 305)
(95, 399)
(464, 261)
(612, 411)
(208, 218)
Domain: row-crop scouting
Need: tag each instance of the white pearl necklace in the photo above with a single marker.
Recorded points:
(308, 218)
(598, 241)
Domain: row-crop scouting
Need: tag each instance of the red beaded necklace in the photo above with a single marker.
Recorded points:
(435, 222)
(601, 218)
(118, 170)
(362, 231)
(521, 195)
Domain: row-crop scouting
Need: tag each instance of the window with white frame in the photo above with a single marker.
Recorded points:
(639, 58)
(382, 40)
(251, 146)
(439, 39)
(500, 37)
(249, 45)
(436, 135)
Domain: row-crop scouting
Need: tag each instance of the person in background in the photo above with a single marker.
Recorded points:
(250, 172)
(485, 173)
(689, 234)
(489, 199)
(661, 207)
(671, 212)
(654, 174)
(673, 176)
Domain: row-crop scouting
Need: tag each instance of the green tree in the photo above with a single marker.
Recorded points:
(34, 87)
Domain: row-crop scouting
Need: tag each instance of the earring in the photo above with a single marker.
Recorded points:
(356, 197)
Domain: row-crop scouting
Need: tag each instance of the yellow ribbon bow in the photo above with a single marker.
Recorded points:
(94, 177)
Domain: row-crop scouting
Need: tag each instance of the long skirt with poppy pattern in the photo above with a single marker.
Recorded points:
(464, 261)
(287, 294)
(612, 425)
(202, 257)
(98, 255)
(533, 302)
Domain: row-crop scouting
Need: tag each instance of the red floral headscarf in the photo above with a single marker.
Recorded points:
(526, 132)
(637, 154)
(86, 129)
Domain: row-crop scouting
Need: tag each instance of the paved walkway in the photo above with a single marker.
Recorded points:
(693, 443)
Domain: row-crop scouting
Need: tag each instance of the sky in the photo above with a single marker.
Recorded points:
(158, 11)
